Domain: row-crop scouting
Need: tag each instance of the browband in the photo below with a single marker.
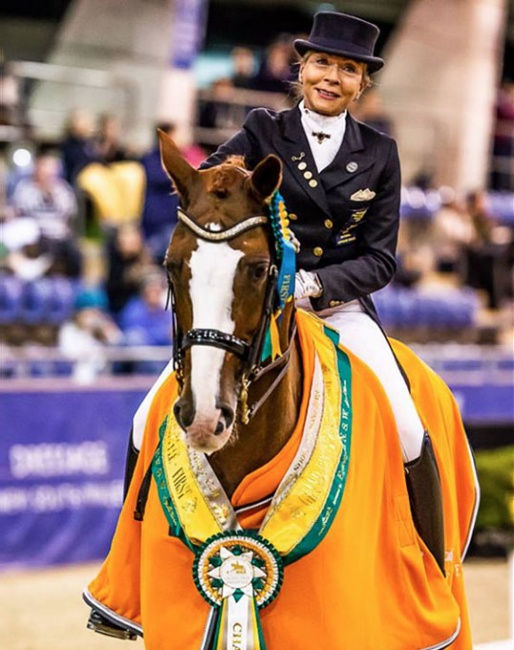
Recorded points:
(221, 235)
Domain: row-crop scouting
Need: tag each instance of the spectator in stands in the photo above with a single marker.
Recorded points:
(370, 110)
(243, 62)
(275, 72)
(483, 220)
(486, 260)
(24, 252)
(78, 147)
(217, 112)
(160, 202)
(108, 147)
(128, 259)
(144, 320)
(85, 338)
(49, 200)
(452, 231)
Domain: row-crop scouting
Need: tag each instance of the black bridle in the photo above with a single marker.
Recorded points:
(249, 352)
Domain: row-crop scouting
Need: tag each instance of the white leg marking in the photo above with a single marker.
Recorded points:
(213, 268)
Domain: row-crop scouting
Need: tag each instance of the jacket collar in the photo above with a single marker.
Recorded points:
(351, 159)
(296, 153)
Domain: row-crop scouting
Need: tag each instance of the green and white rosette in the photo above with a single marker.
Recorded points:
(237, 573)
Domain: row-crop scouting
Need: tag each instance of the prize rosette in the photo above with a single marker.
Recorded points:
(237, 573)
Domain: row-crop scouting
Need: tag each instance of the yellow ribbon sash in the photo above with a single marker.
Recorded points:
(238, 571)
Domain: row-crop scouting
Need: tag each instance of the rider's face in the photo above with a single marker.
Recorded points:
(330, 83)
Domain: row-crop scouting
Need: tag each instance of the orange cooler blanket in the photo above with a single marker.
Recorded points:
(371, 584)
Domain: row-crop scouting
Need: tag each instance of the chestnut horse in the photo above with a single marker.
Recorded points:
(224, 293)
(277, 461)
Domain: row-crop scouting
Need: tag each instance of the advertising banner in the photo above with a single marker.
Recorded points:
(62, 458)
(62, 462)
(188, 32)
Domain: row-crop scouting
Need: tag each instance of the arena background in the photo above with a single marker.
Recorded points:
(446, 93)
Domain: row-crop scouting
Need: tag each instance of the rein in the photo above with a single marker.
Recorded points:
(250, 411)
(249, 353)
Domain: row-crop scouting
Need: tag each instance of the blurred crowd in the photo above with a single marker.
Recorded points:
(274, 74)
(86, 223)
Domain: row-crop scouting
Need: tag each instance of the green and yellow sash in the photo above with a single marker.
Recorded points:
(238, 572)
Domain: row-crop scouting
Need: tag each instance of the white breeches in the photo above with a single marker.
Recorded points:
(361, 335)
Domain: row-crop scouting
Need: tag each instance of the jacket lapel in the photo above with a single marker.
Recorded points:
(295, 152)
(351, 159)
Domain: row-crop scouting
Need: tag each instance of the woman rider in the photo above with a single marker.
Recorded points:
(341, 184)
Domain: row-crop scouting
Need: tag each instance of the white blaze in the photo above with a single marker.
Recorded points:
(213, 268)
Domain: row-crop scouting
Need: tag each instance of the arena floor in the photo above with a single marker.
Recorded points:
(43, 610)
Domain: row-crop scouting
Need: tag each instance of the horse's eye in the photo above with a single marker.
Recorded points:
(259, 271)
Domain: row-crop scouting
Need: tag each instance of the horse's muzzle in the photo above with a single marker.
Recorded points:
(206, 432)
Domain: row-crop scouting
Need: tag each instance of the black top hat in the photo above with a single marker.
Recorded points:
(344, 35)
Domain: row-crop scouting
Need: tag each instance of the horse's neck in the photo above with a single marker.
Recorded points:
(267, 432)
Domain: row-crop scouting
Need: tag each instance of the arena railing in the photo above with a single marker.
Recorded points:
(232, 107)
(462, 363)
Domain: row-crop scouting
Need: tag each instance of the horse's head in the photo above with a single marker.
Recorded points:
(221, 268)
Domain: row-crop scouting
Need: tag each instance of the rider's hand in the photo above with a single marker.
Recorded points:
(307, 285)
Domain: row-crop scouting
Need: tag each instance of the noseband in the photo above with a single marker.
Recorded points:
(249, 353)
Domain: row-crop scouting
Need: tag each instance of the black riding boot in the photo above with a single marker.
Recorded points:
(424, 487)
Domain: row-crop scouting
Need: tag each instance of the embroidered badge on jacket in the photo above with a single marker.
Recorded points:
(346, 236)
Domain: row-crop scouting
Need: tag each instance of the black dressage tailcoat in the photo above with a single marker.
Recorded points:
(346, 217)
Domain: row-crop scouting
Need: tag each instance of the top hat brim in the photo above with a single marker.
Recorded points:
(374, 63)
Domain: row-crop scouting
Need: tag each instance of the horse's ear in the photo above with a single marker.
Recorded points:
(176, 166)
(267, 176)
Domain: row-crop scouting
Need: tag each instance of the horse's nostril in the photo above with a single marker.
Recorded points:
(226, 419)
(228, 415)
(177, 414)
(183, 414)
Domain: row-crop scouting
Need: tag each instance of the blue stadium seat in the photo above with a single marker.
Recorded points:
(63, 293)
(415, 308)
(11, 290)
(35, 301)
